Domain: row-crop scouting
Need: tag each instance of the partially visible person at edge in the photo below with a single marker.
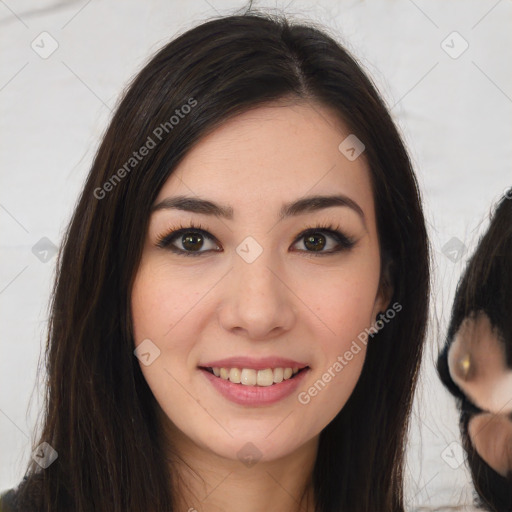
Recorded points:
(475, 363)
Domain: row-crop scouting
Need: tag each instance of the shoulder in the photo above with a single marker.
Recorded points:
(23, 498)
(8, 501)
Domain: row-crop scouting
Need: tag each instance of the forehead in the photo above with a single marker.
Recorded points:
(272, 154)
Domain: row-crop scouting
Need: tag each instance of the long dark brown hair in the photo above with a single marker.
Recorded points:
(486, 285)
(100, 414)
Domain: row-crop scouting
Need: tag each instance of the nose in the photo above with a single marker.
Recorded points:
(257, 299)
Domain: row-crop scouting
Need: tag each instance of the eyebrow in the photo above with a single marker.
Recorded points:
(301, 206)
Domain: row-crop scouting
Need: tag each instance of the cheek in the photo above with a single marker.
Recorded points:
(343, 299)
(344, 305)
(162, 299)
(161, 303)
(346, 308)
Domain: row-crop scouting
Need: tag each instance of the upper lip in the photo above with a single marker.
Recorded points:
(253, 363)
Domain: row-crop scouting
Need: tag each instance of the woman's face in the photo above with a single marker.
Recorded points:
(252, 293)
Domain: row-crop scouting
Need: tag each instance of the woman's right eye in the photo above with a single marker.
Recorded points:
(191, 239)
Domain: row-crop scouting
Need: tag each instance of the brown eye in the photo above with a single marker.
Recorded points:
(192, 241)
(324, 240)
(314, 242)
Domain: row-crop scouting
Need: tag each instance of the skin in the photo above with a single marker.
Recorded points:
(477, 364)
(491, 435)
(290, 302)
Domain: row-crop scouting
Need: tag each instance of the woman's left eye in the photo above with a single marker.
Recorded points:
(316, 239)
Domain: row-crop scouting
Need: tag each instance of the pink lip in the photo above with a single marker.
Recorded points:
(255, 364)
(255, 395)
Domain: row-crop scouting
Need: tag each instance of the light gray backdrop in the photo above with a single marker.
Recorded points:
(443, 67)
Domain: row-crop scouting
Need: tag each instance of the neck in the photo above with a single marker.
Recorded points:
(204, 481)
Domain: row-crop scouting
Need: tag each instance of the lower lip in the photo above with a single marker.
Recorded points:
(255, 395)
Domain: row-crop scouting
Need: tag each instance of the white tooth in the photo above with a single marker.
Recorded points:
(234, 375)
(278, 375)
(248, 377)
(265, 377)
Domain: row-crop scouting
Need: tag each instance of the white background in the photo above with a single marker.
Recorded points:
(455, 115)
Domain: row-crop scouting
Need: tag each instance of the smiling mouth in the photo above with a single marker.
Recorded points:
(251, 377)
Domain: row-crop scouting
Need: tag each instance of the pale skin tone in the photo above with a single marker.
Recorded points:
(289, 302)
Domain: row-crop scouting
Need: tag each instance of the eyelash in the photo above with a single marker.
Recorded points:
(165, 240)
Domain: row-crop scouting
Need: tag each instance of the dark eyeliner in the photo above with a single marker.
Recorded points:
(345, 242)
(164, 241)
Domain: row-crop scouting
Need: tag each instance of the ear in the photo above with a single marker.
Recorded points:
(386, 288)
(491, 435)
